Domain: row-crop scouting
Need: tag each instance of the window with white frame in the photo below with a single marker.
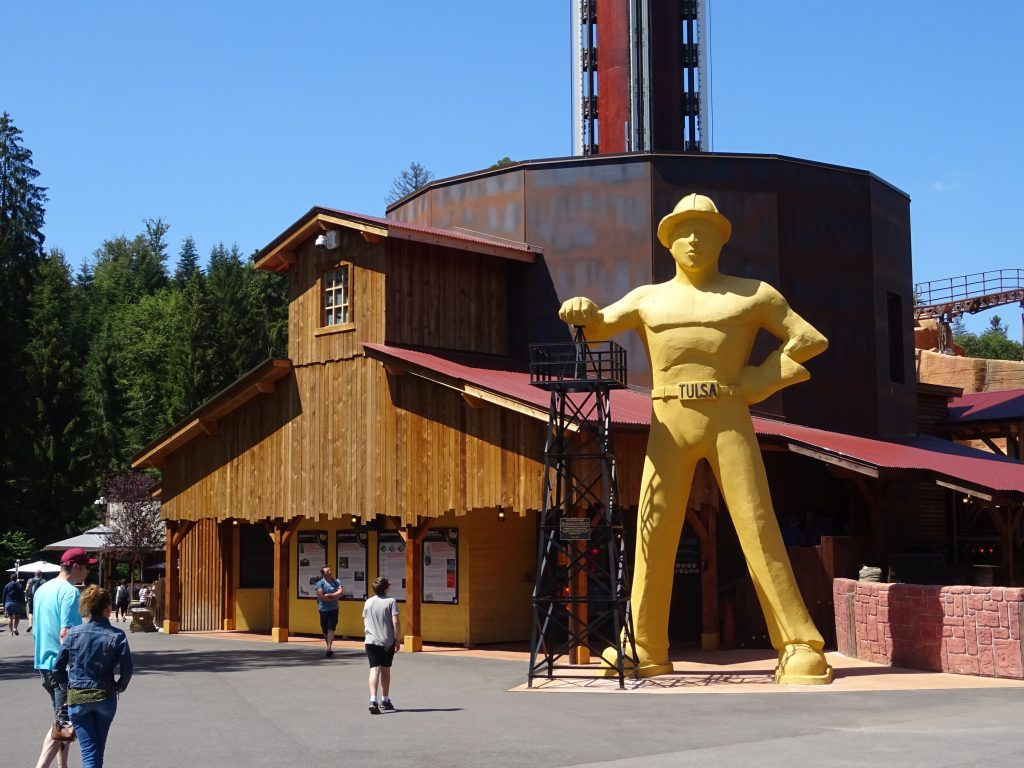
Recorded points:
(337, 295)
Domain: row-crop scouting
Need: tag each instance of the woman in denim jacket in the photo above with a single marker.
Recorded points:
(86, 664)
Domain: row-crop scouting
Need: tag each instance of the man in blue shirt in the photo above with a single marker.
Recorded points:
(55, 611)
(328, 593)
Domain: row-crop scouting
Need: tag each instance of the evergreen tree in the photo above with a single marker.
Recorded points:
(58, 485)
(226, 281)
(188, 263)
(21, 244)
(105, 404)
(190, 352)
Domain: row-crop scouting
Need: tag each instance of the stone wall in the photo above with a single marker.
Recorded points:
(960, 629)
(971, 374)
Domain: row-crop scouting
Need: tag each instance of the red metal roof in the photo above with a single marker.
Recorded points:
(511, 379)
(976, 407)
(395, 227)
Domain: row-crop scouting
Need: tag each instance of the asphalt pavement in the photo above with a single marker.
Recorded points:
(222, 702)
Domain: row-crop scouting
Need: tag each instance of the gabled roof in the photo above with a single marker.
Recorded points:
(278, 256)
(259, 381)
(507, 383)
(981, 407)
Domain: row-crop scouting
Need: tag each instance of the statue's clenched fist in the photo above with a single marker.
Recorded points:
(578, 311)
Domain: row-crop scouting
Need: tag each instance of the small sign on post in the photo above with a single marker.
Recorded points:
(574, 529)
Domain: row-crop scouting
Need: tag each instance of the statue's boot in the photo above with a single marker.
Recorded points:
(649, 665)
(800, 664)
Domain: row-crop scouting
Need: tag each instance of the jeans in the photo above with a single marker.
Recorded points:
(58, 694)
(92, 723)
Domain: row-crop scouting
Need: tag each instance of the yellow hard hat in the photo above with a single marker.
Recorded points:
(693, 206)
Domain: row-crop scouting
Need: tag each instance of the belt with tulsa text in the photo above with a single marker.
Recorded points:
(694, 390)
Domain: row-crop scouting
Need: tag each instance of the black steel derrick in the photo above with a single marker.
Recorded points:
(581, 595)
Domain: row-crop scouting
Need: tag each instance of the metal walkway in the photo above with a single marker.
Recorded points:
(953, 296)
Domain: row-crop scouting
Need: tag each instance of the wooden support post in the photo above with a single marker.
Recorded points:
(175, 534)
(874, 494)
(229, 546)
(281, 533)
(413, 535)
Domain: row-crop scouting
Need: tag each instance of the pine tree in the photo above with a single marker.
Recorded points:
(57, 486)
(407, 182)
(190, 352)
(21, 249)
(188, 263)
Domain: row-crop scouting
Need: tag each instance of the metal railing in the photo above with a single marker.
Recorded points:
(968, 293)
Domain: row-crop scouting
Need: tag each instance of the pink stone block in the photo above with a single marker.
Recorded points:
(990, 605)
(1014, 594)
(988, 619)
(984, 636)
(975, 602)
(1007, 658)
(955, 646)
(958, 632)
(980, 590)
(1000, 633)
(986, 662)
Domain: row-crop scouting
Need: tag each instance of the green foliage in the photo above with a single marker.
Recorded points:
(992, 344)
(188, 263)
(16, 545)
(21, 250)
(506, 160)
(97, 364)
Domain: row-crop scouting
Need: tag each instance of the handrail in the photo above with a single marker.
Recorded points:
(968, 293)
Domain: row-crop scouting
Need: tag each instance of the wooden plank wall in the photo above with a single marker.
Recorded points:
(441, 297)
(305, 344)
(202, 592)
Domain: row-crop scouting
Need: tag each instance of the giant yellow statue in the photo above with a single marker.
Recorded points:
(699, 329)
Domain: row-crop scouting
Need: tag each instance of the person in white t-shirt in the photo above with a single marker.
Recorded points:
(383, 639)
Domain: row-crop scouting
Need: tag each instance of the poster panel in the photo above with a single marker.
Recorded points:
(391, 561)
(312, 556)
(351, 570)
(441, 566)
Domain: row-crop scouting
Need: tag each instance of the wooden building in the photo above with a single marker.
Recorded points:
(401, 436)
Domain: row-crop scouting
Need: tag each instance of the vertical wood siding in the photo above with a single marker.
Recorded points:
(202, 592)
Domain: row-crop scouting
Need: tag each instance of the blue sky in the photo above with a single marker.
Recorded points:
(231, 119)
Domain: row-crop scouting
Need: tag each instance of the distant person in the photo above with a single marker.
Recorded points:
(383, 633)
(122, 599)
(158, 600)
(328, 593)
(14, 603)
(144, 594)
(86, 665)
(30, 589)
(56, 612)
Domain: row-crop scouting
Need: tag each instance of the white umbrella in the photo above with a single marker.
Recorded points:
(38, 565)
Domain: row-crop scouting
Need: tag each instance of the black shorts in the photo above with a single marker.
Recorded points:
(380, 656)
(328, 620)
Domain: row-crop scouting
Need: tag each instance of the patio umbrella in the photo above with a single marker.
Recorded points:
(38, 565)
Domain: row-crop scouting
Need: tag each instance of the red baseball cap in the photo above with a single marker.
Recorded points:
(77, 556)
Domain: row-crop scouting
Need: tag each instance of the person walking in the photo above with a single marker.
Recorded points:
(328, 593)
(56, 612)
(14, 603)
(122, 599)
(383, 639)
(30, 589)
(86, 664)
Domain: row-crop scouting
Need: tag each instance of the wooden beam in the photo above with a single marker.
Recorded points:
(372, 237)
(993, 447)
(965, 490)
(209, 426)
(229, 547)
(394, 370)
(413, 537)
(473, 402)
(175, 533)
(828, 458)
